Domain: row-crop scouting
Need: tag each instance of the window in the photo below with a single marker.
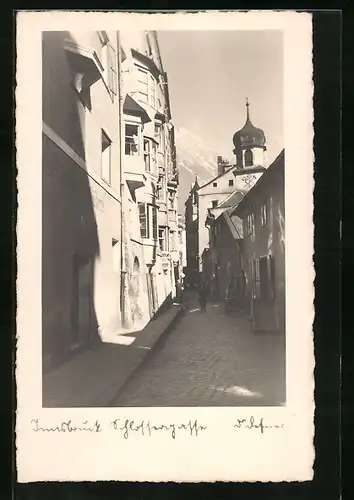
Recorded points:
(264, 214)
(105, 157)
(250, 224)
(108, 58)
(214, 203)
(112, 69)
(152, 91)
(159, 136)
(147, 155)
(150, 156)
(172, 241)
(162, 239)
(102, 48)
(231, 182)
(248, 158)
(143, 85)
(215, 184)
(154, 222)
(131, 139)
(161, 188)
(144, 220)
(148, 213)
(153, 157)
(146, 87)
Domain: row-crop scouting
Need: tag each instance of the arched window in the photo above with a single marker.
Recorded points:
(136, 266)
(248, 158)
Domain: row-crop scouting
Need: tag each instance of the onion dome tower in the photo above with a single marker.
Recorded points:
(249, 144)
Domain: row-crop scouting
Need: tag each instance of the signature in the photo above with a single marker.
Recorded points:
(67, 426)
(252, 423)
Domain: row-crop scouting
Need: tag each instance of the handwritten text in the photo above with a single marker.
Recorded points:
(252, 423)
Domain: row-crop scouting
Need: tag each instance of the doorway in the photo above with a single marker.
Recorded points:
(82, 300)
(263, 306)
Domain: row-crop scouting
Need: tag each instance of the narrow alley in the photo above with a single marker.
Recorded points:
(210, 359)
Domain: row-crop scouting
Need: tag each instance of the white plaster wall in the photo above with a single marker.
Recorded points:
(105, 198)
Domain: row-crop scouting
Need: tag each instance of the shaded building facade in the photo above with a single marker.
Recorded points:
(222, 260)
(263, 213)
(81, 198)
(110, 251)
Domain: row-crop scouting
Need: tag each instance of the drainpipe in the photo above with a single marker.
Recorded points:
(121, 140)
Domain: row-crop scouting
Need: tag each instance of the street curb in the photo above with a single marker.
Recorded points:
(147, 354)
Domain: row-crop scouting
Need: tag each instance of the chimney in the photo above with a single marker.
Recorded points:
(222, 165)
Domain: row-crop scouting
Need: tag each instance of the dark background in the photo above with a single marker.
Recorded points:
(328, 324)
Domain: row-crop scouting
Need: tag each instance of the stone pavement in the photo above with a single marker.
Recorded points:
(93, 377)
(210, 359)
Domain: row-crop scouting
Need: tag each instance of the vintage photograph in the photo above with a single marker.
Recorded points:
(165, 295)
(163, 219)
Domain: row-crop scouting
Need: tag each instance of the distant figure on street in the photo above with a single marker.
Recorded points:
(180, 292)
(203, 294)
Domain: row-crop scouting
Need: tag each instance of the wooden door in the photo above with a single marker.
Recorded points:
(81, 301)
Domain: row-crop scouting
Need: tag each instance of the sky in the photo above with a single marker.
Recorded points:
(210, 74)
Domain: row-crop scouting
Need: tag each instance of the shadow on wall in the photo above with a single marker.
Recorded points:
(70, 245)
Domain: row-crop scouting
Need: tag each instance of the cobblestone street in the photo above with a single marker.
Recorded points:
(210, 359)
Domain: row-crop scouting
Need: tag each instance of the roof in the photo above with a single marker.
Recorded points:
(130, 106)
(195, 186)
(249, 135)
(274, 169)
(232, 199)
(234, 223)
(148, 61)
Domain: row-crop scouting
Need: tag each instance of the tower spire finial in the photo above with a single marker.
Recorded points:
(247, 108)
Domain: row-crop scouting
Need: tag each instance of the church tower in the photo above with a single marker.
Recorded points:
(249, 145)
